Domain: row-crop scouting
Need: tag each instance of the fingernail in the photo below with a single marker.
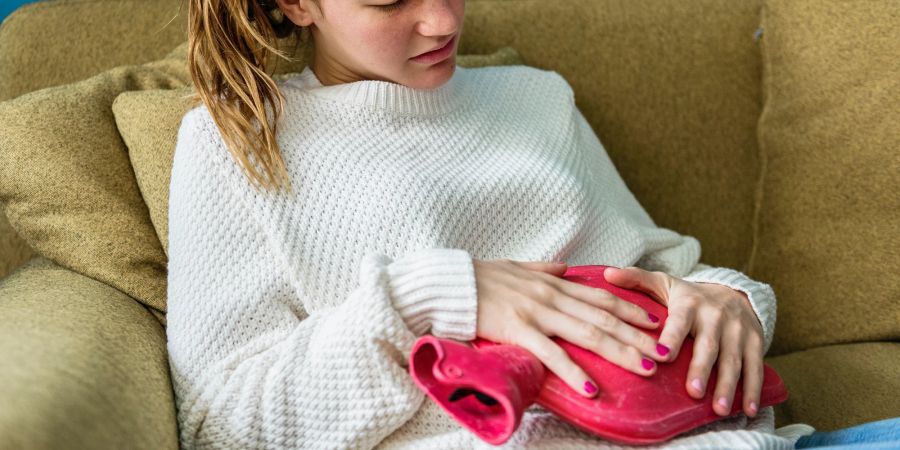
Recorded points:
(590, 387)
(560, 262)
(646, 363)
(662, 349)
(697, 384)
(723, 402)
(753, 407)
(653, 318)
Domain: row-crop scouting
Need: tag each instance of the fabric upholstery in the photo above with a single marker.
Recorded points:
(828, 228)
(838, 386)
(51, 43)
(78, 203)
(84, 365)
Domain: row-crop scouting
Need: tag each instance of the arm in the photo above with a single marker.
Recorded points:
(668, 251)
(250, 365)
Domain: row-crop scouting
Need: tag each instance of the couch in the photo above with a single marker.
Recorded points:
(767, 129)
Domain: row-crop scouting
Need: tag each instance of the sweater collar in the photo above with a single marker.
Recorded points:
(389, 96)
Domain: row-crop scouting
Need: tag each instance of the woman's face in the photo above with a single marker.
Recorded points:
(378, 39)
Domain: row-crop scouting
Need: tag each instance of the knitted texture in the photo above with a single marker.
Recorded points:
(291, 317)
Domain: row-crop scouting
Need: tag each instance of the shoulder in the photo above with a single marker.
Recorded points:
(199, 142)
(523, 79)
(524, 91)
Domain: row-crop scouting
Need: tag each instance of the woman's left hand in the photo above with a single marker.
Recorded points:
(721, 321)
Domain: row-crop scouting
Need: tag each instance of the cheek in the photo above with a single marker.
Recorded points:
(388, 43)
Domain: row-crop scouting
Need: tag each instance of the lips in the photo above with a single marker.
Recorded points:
(438, 48)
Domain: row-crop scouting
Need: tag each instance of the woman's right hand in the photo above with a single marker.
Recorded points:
(526, 302)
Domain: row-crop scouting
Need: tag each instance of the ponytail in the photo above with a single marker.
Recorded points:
(230, 44)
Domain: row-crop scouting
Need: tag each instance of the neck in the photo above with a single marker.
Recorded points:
(387, 96)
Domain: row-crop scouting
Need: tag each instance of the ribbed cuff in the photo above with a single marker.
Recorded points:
(761, 295)
(435, 288)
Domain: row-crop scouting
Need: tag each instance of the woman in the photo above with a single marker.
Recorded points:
(405, 195)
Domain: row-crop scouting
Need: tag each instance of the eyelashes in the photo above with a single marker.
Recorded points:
(392, 7)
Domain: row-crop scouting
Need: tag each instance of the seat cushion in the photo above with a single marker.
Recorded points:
(828, 232)
(838, 386)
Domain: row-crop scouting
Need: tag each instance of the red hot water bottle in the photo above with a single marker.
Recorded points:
(487, 386)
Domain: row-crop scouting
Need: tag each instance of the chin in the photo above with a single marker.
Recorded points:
(435, 75)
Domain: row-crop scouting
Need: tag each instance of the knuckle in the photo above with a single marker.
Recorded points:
(715, 313)
(544, 352)
(604, 319)
(691, 299)
(645, 340)
(590, 332)
(731, 360)
(633, 353)
(530, 310)
(755, 340)
(544, 291)
(709, 344)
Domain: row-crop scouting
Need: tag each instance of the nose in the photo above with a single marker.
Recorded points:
(441, 18)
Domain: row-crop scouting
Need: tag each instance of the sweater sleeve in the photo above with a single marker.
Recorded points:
(251, 367)
(664, 249)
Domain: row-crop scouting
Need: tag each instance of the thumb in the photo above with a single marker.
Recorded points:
(635, 278)
(551, 267)
(622, 277)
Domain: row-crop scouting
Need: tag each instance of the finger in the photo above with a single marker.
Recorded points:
(706, 349)
(557, 360)
(611, 325)
(729, 368)
(590, 337)
(652, 283)
(753, 376)
(557, 269)
(601, 298)
(678, 325)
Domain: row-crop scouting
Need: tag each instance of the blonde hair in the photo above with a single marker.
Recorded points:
(230, 43)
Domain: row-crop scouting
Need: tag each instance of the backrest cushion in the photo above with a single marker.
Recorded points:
(828, 228)
(67, 184)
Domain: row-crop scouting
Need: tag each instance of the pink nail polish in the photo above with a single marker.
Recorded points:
(653, 318)
(753, 407)
(697, 384)
(590, 387)
(723, 402)
(662, 349)
(646, 363)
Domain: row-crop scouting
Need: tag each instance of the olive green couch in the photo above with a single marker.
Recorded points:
(766, 129)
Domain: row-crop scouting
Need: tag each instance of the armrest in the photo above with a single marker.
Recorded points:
(83, 365)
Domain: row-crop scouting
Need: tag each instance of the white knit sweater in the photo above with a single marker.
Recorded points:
(291, 318)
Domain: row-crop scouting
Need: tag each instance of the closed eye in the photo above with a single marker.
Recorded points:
(391, 7)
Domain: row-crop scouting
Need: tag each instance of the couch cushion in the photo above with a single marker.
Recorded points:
(149, 120)
(84, 365)
(838, 386)
(68, 186)
(55, 42)
(828, 230)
